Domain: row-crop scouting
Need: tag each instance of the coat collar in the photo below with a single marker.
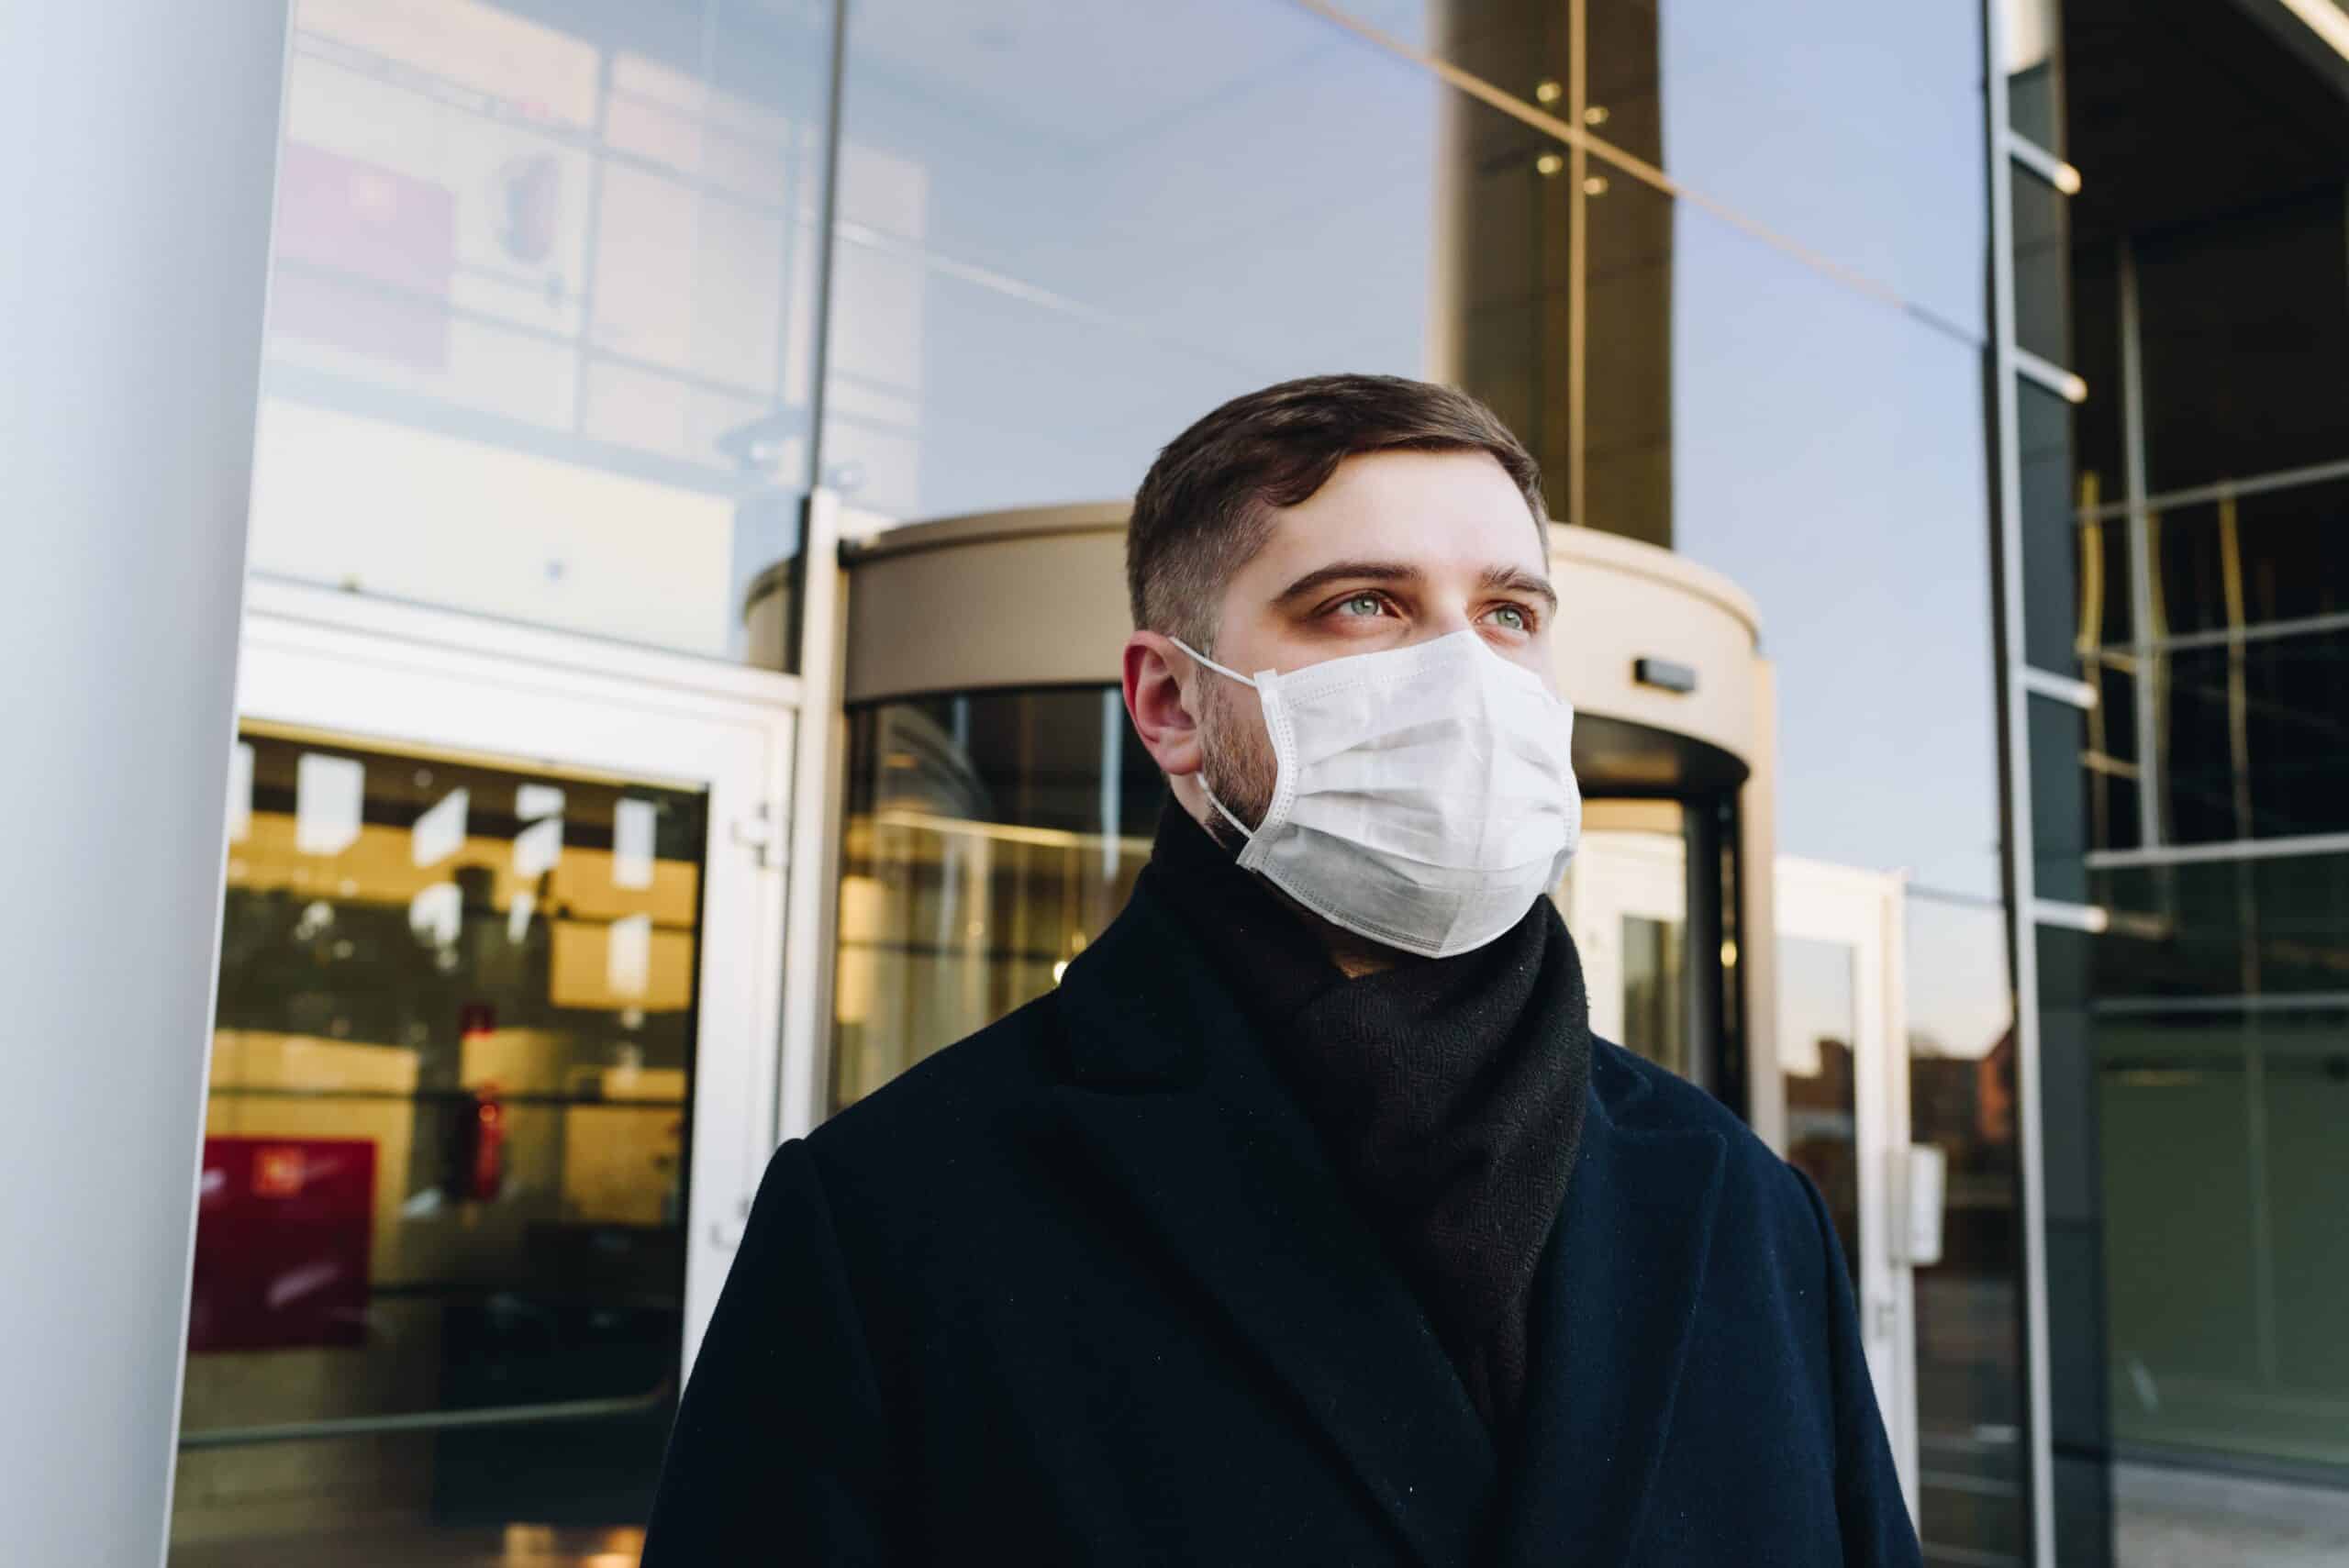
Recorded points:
(1172, 1100)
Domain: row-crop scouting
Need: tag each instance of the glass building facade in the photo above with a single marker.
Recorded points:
(2179, 328)
(2016, 411)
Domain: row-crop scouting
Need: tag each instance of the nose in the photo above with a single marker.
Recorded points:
(1443, 619)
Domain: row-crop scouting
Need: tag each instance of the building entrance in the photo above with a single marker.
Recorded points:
(491, 1079)
(1840, 1039)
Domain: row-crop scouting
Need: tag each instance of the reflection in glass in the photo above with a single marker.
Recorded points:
(1974, 1500)
(2043, 259)
(1064, 238)
(540, 343)
(1654, 963)
(443, 1146)
(1656, 1011)
(2179, 931)
(2227, 1270)
(1828, 457)
(2033, 36)
(2256, 559)
(989, 837)
(2243, 330)
(1818, 1017)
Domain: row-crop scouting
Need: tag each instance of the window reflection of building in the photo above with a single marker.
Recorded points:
(989, 837)
(544, 347)
(444, 1134)
(534, 282)
(2182, 578)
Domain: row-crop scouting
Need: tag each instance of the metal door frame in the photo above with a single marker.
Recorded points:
(407, 674)
(1643, 873)
(1863, 910)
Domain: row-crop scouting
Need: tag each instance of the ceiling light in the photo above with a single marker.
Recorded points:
(2325, 19)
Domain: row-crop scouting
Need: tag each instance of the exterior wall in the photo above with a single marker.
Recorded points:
(131, 305)
(577, 305)
(2177, 307)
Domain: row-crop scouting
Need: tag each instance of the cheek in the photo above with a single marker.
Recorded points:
(1534, 655)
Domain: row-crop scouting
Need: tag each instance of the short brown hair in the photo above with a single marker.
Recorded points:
(1205, 509)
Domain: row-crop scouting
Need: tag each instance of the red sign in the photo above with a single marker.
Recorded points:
(367, 255)
(285, 1227)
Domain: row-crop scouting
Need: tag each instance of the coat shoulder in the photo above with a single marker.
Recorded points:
(1641, 1096)
(960, 1086)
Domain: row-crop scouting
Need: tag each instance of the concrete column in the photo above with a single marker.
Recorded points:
(138, 145)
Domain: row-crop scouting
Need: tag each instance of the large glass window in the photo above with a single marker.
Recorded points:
(440, 1254)
(2227, 1271)
(989, 835)
(1066, 234)
(541, 330)
(2188, 1047)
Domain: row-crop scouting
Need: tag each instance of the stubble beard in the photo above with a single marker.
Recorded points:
(1241, 769)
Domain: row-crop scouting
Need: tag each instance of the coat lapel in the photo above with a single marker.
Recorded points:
(1613, 1307)
(1173, 1103)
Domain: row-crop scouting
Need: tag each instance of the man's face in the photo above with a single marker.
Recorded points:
(1397, 549)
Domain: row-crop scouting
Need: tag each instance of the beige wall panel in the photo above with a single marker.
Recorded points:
(1039, 598)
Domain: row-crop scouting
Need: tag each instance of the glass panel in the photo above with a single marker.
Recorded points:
(1653, 965)
(2043, 263)
(988, 838)
(2098, 422)
(1891, 120)
(2273, 555)
(2225, 928)
(1626, 479)
(2059, 801)
(1827, 457)
(443, 1145)
(2244, 325)
(2033, 31)
(1655, 1009)
(1053, 255)
(1974, 1493)
(539, 342)
(2223, 1171)
(2066, 585)
(2256, 738)
(1819, 1021)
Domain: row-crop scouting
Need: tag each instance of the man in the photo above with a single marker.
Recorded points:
(1304, 1222)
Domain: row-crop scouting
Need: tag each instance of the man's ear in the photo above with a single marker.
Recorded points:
(1157, 703)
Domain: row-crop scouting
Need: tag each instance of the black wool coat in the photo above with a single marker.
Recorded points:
(1083, 1289)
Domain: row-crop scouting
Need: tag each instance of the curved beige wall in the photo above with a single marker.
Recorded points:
(1038, 597)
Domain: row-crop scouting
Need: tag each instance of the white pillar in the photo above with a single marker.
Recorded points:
(138, 145)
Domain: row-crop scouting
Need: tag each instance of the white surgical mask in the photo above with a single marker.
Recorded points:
(1426, 794)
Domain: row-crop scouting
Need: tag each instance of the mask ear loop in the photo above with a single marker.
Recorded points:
(1206, 788)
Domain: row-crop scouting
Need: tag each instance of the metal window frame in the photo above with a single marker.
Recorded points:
(2220, 489)
(2228, 849)
(2010, 363)
(2062, 688)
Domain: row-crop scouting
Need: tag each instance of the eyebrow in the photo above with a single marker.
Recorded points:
(1347, 572)
(1517, 580)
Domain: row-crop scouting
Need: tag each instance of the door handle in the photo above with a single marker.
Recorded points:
(1920, 1177)
(727, 1231)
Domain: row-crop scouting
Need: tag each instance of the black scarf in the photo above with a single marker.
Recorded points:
(1449, 1092)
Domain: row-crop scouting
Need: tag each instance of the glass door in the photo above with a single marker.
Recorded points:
(1843, 1058)
(1625, 898)
(491, 1080)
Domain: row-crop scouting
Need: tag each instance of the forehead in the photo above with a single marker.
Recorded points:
(1440, 511)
